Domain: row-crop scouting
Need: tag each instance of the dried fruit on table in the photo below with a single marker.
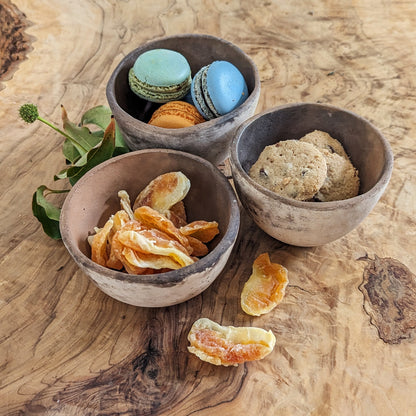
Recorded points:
(229, 345)
(265, 288)
(163, 192)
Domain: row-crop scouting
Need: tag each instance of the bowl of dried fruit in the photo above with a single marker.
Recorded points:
(225, 95)
(153, 227)
(309, 173)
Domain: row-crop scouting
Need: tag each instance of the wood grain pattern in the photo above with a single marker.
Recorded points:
(68, 349)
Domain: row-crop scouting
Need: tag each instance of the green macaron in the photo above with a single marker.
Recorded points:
(160, 75)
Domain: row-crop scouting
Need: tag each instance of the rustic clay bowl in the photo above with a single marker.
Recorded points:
(310, 223)
(94, 198)
(211, 139)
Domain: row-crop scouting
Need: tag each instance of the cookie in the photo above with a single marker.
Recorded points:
(342, 181)
(290, 168)
(323, 141)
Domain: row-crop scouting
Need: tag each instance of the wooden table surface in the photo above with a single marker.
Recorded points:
(346, 327)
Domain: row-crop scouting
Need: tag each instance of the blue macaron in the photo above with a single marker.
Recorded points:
(217, 89)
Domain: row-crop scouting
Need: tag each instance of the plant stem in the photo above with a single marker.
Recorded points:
(71, 139)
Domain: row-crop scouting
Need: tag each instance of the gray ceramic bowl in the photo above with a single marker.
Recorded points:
(94, 198)
(310, 223)
(211, 139)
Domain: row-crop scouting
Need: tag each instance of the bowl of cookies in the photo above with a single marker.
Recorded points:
(309, 173)
(153, 227)
(187, 92)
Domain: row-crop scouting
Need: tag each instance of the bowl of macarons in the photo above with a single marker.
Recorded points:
(186, 92)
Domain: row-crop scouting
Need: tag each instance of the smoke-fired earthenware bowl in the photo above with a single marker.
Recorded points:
(94, 198)
(211, 139)
(302, 223)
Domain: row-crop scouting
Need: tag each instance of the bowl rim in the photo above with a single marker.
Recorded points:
(168, 278)
(251, 99)
(315, 205)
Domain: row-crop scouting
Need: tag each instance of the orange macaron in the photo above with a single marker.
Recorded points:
(176, 115)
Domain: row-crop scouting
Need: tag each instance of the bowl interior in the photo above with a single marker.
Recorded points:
(199, 50)
(94, 198)
(368, 150)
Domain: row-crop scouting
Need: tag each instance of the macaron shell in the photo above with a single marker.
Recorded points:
(198, 97)
(161, 68)
(176, 114)
(158, 94)
(226, 86)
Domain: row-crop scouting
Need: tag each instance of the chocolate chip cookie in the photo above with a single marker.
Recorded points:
(291, 168)
(323, 141)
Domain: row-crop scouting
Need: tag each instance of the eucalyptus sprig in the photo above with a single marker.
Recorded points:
(82, 150)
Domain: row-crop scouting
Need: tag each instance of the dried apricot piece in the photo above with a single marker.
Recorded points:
(229, 345)
(151, 218)
(150, 239)
(204, 231)
(199, 249)
(177, 214)
(125, 203)
(120, 218)
(164, 192)
(99, 244)
(119, 255)
(265, 288)
(155, 242)
(115, 258)
(149, 261)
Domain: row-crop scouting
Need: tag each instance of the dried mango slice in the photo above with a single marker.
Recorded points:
(177, 214)
(149, 261)
(229, 345)
(164, 192)
(265, 288)
(151, 239)
(199, 249)
(125, 203)
(120, 218)
(151, 218)
(99, 244)
(155, 242)
(118, 256)
(204, 231)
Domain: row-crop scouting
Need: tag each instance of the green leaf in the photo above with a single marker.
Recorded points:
(100, 116)
(95, 156)
(84, 140)
(121, 146)
(63, 174)
(70, 151)
(47, 213)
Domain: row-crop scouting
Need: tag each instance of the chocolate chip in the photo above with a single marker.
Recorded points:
(263, 173)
